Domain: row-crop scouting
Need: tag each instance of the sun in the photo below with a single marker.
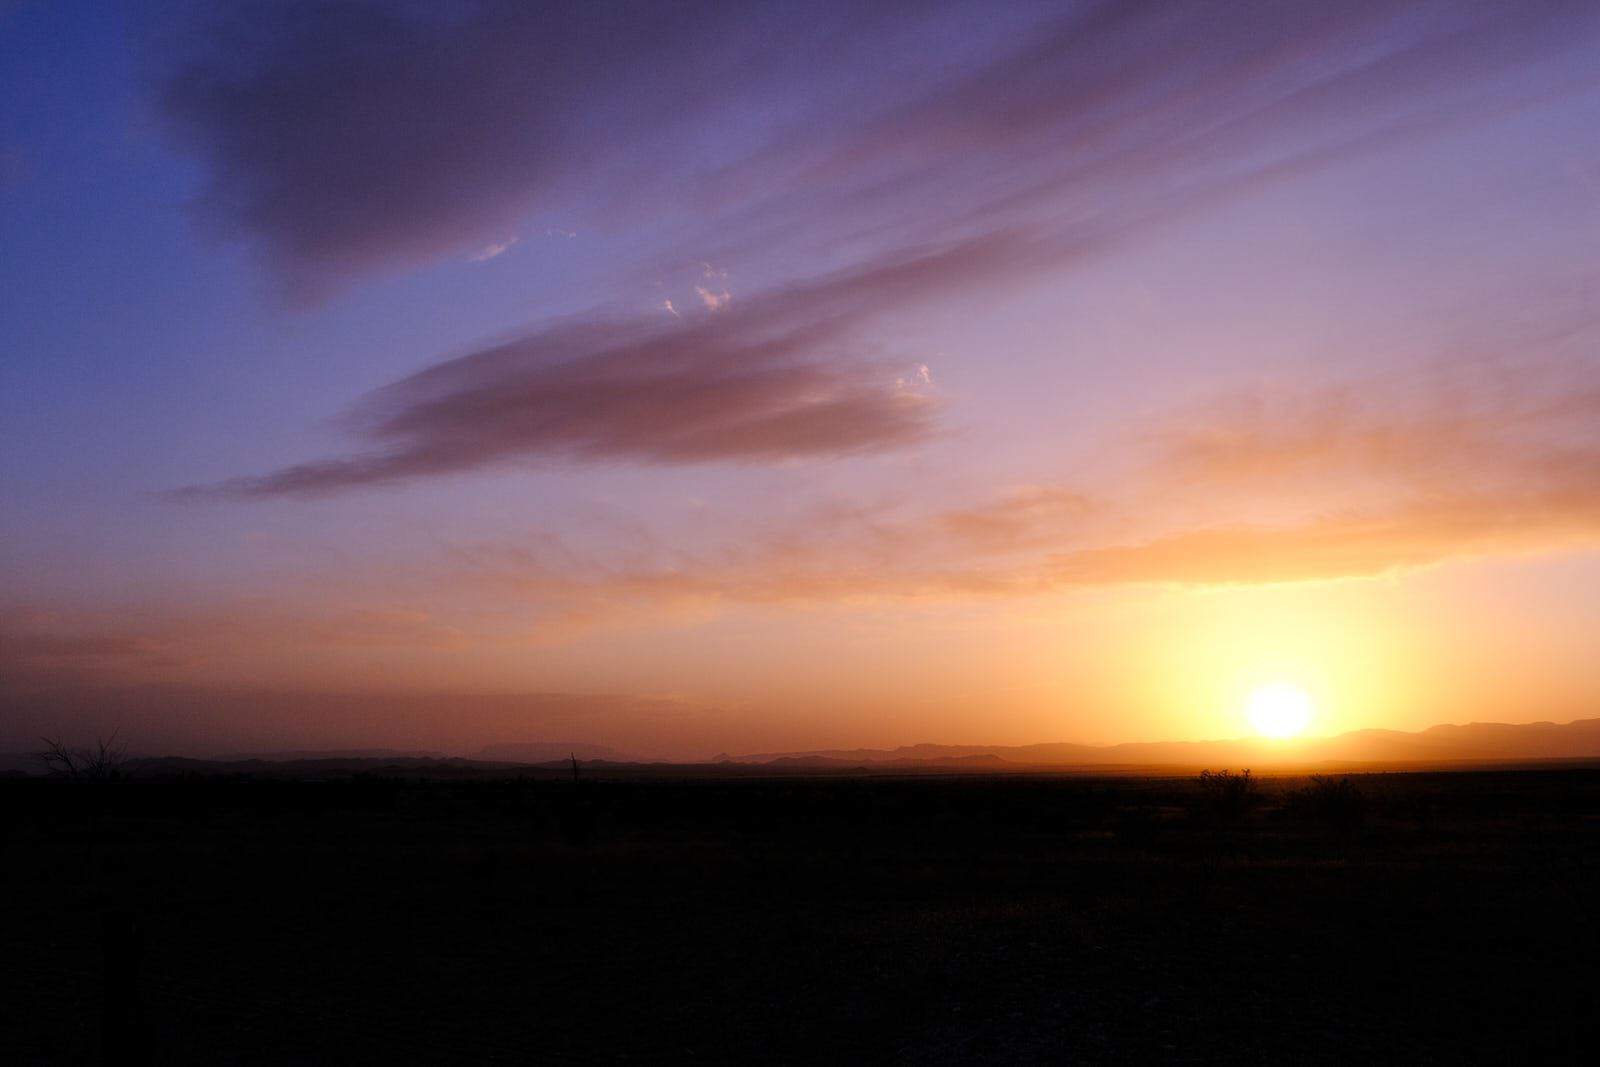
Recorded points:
(1279, 710)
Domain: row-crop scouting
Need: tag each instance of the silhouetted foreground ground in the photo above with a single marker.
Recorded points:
(1427, 918)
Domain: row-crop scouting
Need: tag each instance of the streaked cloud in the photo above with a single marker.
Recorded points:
(1451, 428)
(350, 139)
(773, 379)
(1405, 473)
(488, 252)
(1338, 546)
(1049, 136)
(1504, 465)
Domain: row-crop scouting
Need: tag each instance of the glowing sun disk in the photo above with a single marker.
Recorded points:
(1279, 710)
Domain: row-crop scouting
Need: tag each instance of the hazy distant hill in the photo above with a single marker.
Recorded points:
(550, 751)
(1474, 741)
(295, 755)
(1478, 740)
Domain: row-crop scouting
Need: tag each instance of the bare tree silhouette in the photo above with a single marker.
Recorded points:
(103, 763)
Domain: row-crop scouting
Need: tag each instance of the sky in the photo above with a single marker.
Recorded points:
(727, 377)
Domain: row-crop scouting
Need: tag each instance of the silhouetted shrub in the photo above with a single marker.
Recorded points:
(1226, 796)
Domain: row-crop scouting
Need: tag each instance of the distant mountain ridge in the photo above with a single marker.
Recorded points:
(1471, 743)
(1579, 739)
(550, 751)
(302, 754)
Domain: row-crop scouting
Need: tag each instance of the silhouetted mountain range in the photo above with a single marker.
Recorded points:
(1478, 742)
(548, 751)
(1473, 741)
(296, 755)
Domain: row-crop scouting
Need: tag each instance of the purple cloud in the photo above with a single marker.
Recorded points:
(965, 148)
(350, 139)
(772, 378)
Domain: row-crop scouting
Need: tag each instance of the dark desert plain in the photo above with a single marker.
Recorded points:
(419, 910)
(1058, 531)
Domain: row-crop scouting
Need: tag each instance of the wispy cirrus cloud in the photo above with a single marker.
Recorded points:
(775, 378)
(1411, 473)
(1403, 472)
(1443, 429)
(350, 139)
(493, 251)
(1361, 478)
(937, 560)
(1361, 544)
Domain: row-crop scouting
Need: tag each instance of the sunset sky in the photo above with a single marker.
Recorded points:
(716, 376)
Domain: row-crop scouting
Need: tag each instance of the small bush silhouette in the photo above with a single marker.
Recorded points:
(1226, 796)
